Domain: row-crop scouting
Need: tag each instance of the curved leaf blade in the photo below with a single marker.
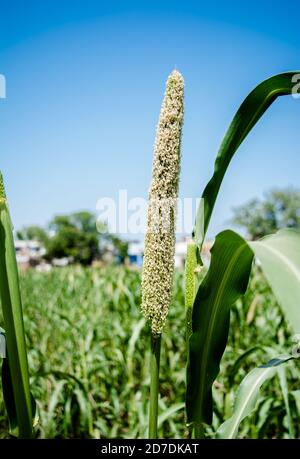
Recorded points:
(248, 114)
(225, 282)
(169, 412)
(279, 255)
(285, 394)
(248, 394)
(11, 303)
(10, 404)
(239, 361)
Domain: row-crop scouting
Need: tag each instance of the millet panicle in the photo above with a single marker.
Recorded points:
(157, 276)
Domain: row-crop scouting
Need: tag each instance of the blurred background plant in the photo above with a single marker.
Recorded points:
(280, 208)
(76, 238)
(90, 370)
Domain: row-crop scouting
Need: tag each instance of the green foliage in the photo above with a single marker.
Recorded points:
(15, 377)
(89, 366)
(248, 395)
(120, 246)
(83, 221)
(72, 243)
(33, 232)
(76, 237)
(230, 267)
(279, 209)
(225, 282)
(90, 369)
(279, 255)
(248, 114)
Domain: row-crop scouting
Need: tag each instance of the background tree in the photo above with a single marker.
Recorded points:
(278, 209)
(120, 246)
(75, 236)
(33, 232)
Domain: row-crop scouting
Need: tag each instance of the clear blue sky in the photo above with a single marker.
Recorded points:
(85, 80)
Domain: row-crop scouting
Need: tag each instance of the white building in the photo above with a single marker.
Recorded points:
(136, 252)
(180, 252)
(28, 253)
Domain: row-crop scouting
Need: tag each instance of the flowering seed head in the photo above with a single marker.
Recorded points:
(157, 277)
(190, 266)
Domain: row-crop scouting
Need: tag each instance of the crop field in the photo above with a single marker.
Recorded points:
(89, 358)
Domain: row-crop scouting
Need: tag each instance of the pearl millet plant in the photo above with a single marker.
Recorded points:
(157, 277)
(158, 267)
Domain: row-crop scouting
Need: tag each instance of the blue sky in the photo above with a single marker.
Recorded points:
(85, 80)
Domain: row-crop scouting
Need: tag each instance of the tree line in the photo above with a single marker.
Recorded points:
(74, 236)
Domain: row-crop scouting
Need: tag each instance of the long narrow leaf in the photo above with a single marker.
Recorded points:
(169, 412)
(249, 113)
(14, 328)
(239, 361)
(248, 394)
(279, 255)
(285, 394)
(226, 280)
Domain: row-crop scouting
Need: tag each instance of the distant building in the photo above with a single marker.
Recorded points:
(29, 253)
(205, 252)
(61, 262)
(181, 250)
(136, 252)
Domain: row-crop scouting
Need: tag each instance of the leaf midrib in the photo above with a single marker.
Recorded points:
(209, 333)
(254, 388)
(282, 257)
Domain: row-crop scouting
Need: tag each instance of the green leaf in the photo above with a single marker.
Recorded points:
(296, 395)
(9, 401)
(18, 385)
(2, 344)
(279, 255)
(239, 361)
(249, 113)
(224, 283)
(248, 394)
(202, 370)
(169, 412)
(226, 280)
(285, 394)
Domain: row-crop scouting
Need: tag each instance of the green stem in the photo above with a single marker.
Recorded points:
(198, 432)
(15, 375)
(190, 287)
(154, 386)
